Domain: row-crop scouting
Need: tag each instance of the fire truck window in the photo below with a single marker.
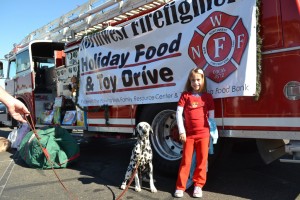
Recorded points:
(23, 62)
(12, 69)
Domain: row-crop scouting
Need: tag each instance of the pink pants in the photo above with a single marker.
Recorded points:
(201, 147)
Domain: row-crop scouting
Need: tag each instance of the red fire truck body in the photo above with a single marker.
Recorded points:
(273, 118)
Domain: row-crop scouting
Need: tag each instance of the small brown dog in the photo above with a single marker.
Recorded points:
(4, 144)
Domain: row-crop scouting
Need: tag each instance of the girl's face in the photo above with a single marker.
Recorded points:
(196, 82)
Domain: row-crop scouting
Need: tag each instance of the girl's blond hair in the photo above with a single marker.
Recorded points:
(188, 86)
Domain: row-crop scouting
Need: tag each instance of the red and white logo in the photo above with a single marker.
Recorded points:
(218, 45)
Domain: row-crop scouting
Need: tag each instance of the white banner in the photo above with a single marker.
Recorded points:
(148, 60)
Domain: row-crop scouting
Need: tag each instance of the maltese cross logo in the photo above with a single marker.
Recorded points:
(218, 45)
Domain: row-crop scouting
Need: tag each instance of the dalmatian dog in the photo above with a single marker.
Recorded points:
(141, 153)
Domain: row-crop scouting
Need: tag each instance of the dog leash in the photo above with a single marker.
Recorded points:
(130, 181)
(30, 122)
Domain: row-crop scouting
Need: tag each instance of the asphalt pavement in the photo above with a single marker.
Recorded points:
(101, 168)
(96, 175)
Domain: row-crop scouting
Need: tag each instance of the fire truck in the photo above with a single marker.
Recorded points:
(43, 70)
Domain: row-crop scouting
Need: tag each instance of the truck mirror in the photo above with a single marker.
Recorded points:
(1, 70)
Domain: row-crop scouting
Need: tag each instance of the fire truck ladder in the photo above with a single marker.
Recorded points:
(95, 15)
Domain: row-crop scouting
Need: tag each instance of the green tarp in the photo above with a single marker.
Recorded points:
(57, 143)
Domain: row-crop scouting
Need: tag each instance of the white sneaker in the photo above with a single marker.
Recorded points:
(197, 192)
(178, 193)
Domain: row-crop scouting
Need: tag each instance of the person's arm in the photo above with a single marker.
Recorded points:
(211, 114)
(14, 106)
(181, 129)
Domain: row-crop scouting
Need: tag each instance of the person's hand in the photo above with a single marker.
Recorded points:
(182, 137)
(14, 106)
(17, 110)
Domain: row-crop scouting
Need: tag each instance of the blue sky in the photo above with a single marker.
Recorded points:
(21, 17)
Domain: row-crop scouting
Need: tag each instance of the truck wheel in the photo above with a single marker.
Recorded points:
(165, 141)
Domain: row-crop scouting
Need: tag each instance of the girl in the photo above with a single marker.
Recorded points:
(196, 105)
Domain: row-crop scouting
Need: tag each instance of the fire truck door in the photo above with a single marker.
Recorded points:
(9, 86)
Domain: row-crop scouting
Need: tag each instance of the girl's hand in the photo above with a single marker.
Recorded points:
(182, 137)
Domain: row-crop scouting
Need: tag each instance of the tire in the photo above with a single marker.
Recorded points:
(167, 149)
